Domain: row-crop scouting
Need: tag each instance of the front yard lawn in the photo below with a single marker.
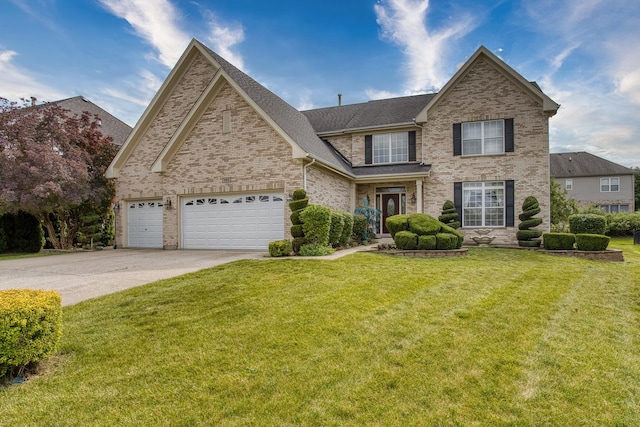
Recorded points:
(500, 337)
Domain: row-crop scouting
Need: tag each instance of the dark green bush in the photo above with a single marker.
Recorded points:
(296, 205)
(30, 327)
(397, 223)
(427, 243)
(587, 224)
(359, 228)
(451, 230)
(623, 224)
(528, 235)
(316, 222)
(446, 241)
(299, 194)
(406, 240)
(449, 215)
(297, 242)
(297, 230)
(4, 244)
(279, 248)
(525, 236)
(558, 241)
(347, 230)
(591, 242)
(335, 231)
(23, 232)
(295, 217)
(311, 249)
(423, 224)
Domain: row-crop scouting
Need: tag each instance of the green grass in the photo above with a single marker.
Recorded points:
(500, 337)
(20, 255)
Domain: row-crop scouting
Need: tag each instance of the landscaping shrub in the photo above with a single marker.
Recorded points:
(4, 244)
(316, 223)
(406, 240)
(558, 241)
(591, 242)
(298, 203)
(23, 232)
(397, 223)
(449, 215)
(587, 224)
(423, 224)
(451, 230)
(372, 215)
(297, 242)
(299, 194)
(312, 249)
(525, 236)
(623, 224)
(347, 230)
(427, 243)
(335, 231)
(295, 217)
(359, 228)
(279, 248)
(297, 230)
(446, 241)
(30, 327)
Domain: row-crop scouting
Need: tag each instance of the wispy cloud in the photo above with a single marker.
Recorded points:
(223, 36)
(155, 21)
(17, 82)
(404, 23)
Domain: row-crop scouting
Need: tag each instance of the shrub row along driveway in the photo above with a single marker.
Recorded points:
(83, 275)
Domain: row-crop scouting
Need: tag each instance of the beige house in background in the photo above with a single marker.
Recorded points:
(593, 181)
(215, 156)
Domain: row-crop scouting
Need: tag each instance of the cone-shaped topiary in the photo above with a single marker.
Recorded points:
(527, 237)
(449, 215)
(298, 203)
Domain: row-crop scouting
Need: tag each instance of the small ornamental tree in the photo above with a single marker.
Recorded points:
(371, 214)
(527, 237)
(449, 215)
(298, 203)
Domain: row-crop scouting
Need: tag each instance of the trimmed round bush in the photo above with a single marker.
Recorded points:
(397, 223)
(279, 248)
(316, 223)
(446, 241)
(559, 241)
(423, 225)
(529, 223)
(335, 232)
(347, 230)
(299, 194)
(526, 237)
(427, 243)
(587, 224)
(592, 242)
(295, 217)
(406, 240)
(296, 205)
(359, 228)
(297, 231)
(449, 215)
(451, 230)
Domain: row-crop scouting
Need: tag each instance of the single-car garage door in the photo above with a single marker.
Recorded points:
(232, 222)
(144, 219)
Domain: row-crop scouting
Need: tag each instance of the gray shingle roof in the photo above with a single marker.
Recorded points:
(110, 125)
(382, 112)
(578, 164)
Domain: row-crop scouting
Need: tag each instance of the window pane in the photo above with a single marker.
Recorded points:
(493, 129)
(471, 130)
(483, 204)
(390, 147)
(472, 217)
(483, 137)
(493, 146)
(615, 184)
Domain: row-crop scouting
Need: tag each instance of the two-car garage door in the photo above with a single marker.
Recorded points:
(232, 222)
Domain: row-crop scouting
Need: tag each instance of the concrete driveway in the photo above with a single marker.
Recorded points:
(84, 275)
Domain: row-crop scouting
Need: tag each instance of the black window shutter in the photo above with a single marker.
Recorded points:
(510, 203)
(508, 136)
(368, 149)
(457, 139)
(457, 199)
(412, 146)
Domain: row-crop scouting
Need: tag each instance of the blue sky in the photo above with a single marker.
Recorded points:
(585, 54)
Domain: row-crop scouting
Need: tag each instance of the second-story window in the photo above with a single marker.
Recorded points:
(609, 185)
(483, 137)
(390, 147)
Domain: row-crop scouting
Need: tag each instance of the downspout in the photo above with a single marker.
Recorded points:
(304, 173)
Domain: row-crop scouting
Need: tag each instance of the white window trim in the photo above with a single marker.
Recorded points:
(607, 182)
(482, 139)
(484, 186)
(405, 136)
(568, 184)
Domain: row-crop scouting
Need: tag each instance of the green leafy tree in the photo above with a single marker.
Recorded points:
(561, 207)
(637, 179)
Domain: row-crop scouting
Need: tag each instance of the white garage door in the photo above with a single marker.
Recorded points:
(232, 222)
(144, 219)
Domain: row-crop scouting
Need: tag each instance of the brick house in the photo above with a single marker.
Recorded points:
(215, 156)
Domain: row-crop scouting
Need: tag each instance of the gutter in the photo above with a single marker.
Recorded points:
(365, 128)
(304, 172)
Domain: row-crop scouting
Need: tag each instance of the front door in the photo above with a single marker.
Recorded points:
(390, 207)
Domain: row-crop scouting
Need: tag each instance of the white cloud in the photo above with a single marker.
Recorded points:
(222, 37)
(157, 22)
(17, 82)
(403, 22)
(381, 94)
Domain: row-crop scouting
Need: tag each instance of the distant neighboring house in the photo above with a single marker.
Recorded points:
(592, 180)
(216, 155)
(109, 124)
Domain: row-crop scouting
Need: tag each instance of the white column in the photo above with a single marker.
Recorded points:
(419, 207)
(352, 200)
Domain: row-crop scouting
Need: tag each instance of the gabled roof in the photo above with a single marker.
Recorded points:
(583, 164)
(109, 124)
(549, 106)
(380, 113)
